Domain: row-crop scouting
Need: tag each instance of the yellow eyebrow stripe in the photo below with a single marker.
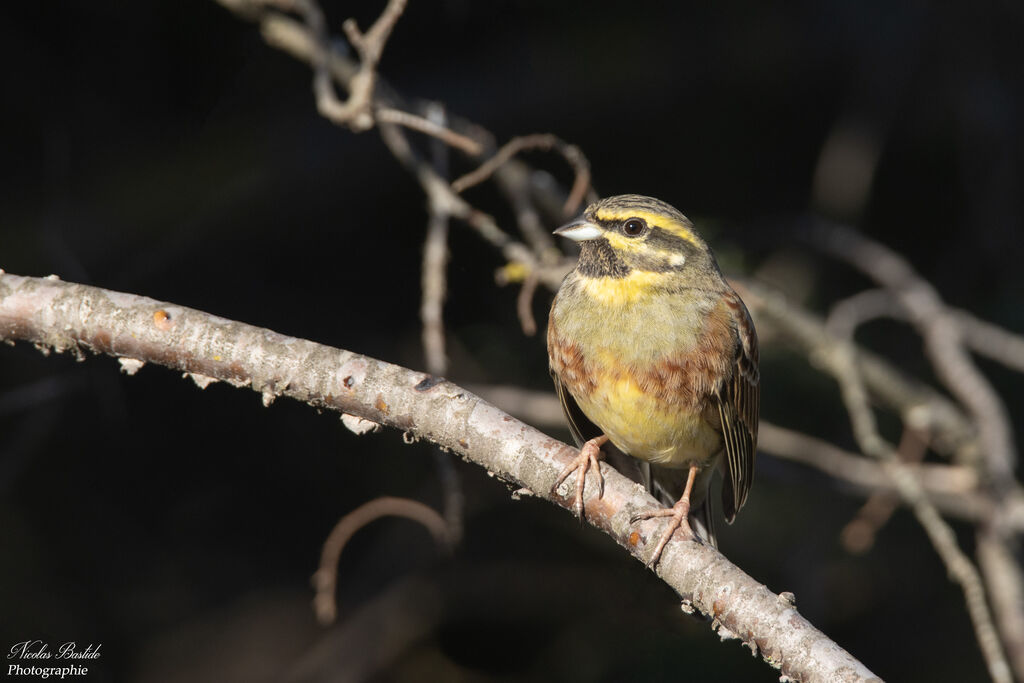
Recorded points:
(657, 219)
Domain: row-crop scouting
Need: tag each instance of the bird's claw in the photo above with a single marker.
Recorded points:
(588, 457)
(679, 514)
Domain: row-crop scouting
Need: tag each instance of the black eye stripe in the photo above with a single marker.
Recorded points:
(605, 222)
(661, 238)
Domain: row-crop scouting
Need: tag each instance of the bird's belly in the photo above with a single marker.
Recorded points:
(645, 427)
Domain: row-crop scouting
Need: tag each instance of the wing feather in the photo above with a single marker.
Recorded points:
(738, 405)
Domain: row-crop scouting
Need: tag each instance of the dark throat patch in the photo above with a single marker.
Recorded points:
(598, 259)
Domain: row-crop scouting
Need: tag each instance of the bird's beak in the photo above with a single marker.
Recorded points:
(580, 230)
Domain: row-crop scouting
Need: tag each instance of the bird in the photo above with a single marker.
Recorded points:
(655, 356)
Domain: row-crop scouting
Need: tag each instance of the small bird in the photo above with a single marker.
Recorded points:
(651, 350)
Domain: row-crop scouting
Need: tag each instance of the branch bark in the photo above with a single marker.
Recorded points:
(76, 318)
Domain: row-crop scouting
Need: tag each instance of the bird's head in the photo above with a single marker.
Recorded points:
(629, 235)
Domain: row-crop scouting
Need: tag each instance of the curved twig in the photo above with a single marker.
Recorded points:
(544, 141)
(326, 577)
(444, 134)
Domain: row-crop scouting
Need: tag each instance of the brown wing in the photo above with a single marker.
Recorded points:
(738, 406)
(580, 426)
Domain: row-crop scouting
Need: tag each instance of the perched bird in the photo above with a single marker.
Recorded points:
(651, 350)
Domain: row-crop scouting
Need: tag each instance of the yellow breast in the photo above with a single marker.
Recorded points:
(644, 426)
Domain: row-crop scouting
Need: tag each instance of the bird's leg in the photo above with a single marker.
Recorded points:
(590, 452)
(680, 513)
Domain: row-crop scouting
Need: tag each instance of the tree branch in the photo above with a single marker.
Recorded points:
(68, 317)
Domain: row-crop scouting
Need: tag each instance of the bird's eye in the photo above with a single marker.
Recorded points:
(634, 227)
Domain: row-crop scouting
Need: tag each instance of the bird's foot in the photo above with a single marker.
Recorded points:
(590, 454)
(679, 514)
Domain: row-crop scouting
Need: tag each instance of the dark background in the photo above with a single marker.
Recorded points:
(161, 148)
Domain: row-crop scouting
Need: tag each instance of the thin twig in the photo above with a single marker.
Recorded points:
(361, 109)
(356, 112)
(439, 191)
(325, 578)
(524, 304)
(296, 39)
(435, 266)
(432, 128)
(435, 262)
(543, 141)
(514, 180)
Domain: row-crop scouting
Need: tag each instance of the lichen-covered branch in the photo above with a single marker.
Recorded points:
(76, 318)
